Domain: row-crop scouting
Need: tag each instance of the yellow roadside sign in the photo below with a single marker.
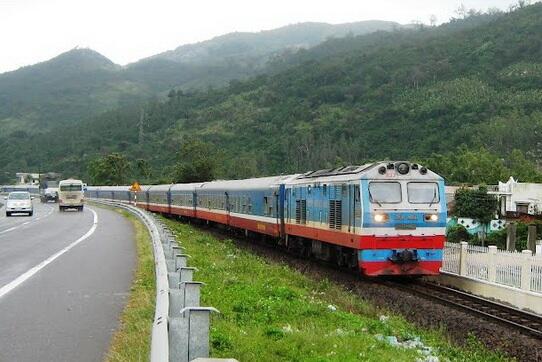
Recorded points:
(135, 187)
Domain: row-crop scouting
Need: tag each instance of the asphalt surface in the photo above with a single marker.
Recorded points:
(64, 280)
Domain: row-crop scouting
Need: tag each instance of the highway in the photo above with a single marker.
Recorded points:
(64, 279)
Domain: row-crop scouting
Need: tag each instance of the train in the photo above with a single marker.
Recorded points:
(382, 219)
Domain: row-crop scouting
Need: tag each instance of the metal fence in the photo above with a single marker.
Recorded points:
(519, 270)
(181, 326)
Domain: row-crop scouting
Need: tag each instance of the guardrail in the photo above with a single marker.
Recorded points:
(181, 326)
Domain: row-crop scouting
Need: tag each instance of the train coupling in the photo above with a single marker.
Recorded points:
(404, 256)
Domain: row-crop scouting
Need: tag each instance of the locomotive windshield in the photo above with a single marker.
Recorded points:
(422, 192)
(385, 192)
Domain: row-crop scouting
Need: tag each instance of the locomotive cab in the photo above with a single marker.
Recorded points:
(403, 220)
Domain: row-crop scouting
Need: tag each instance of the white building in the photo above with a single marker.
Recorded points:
(518, 197)
(24, 178)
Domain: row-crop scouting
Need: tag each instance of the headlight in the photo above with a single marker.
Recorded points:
(403, 168)
(381, 217)
(431, 217)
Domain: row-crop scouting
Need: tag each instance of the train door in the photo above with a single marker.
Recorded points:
(280, 209)
(227, 207)
(194, 203)
(168, 199)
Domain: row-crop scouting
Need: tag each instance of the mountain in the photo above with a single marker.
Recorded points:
(82, 83)
(69, 87)
(466, 97)
(255, 47)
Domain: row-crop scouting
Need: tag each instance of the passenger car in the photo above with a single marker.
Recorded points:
(19, 202)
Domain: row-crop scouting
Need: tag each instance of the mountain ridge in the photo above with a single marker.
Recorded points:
(320, 31)
(82, 83)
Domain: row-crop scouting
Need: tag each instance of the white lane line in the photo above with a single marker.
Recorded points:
(25, 276)
(8, 230)
(28, 222)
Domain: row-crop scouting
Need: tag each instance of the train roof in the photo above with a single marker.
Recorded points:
(261, 183)
(185, 187)
(370, 171)
(108, 188)
(163, 187)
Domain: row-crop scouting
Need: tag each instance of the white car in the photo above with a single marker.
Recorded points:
(19, 202)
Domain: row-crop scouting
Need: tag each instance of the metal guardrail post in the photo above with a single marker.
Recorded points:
(174, 279)
(191, 295)
(181, 261)
(186, 274)
(187, 295)
(193, 329)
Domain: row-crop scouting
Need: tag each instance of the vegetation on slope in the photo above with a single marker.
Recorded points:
(465, 97)
(82, 83)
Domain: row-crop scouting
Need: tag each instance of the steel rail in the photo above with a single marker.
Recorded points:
(520, 320)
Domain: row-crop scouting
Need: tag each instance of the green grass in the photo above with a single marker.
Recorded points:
(270, 312)
(131, 341)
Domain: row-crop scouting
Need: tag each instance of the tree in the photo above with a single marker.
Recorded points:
(143, 168)
(476, 204)
(196, 162)
(109, 170)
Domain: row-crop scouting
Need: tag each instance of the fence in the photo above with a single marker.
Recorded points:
(181, 326)
(514, 269)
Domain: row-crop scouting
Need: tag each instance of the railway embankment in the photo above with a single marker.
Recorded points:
(275, 307)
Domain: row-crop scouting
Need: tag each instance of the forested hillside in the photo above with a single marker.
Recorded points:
(82, 83)
(466, 97)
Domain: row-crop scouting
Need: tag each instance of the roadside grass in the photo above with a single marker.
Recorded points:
(271, 312)
(131, 341)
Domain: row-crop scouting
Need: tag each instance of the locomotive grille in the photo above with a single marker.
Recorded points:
(301, 211)
(335, 214)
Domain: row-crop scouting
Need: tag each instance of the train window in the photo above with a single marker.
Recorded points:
(423, 192)
(385, 192)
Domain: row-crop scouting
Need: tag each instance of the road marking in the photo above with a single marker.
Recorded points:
(31, 272)
(8, 230)
(28, 222)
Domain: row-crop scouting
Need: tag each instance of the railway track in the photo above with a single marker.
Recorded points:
(520, 320)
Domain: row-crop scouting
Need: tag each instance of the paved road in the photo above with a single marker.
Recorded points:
(64, 279)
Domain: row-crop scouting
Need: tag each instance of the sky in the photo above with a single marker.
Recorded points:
(125, 31)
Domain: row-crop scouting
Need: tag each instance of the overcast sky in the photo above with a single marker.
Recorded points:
(127, 30)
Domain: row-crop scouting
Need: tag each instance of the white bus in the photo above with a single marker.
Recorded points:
(71, 195)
